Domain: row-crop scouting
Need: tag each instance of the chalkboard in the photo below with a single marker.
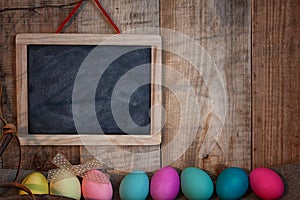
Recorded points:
(50, 86)
(122, 71)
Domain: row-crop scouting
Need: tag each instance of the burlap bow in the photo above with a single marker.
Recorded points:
(67, 170)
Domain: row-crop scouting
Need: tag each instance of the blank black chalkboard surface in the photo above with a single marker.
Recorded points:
(92, 89)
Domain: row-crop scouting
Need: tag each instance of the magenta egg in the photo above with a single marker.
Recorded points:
(93, 190)
(165, 184)
(266, 183)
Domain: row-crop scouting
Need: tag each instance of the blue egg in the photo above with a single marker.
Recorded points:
(134, 186)
(196, 184)
(232, 184)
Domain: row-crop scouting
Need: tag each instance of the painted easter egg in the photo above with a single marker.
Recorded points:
(266, 183)
(134, 186)
(196, 184)
(36, 182)
(93, 190)
(66, 187)
(232, 183)
(165, 184)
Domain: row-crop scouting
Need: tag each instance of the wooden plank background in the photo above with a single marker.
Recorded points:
(276, 82)
(223, 29)
(259, 65)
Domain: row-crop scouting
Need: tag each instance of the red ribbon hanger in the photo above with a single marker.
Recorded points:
(77, 6)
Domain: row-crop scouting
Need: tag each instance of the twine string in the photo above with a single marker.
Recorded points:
(9, 132)
(18, 186)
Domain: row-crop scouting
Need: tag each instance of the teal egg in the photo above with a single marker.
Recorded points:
(196, 184)
(232, 184)
(134, 186)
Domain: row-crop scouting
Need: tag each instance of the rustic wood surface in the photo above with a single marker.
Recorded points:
(223, 29)
(276, 82)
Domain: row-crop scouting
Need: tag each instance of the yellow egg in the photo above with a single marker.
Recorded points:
(67, 187)
(36, 182)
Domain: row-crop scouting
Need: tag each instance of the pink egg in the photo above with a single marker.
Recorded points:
(92, 190)
(165, 184)
(266, 183)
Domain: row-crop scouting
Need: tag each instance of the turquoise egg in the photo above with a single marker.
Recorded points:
(134, 186)
(196, 184)
(232, 183)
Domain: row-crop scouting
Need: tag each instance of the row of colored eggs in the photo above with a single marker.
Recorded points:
(232, 183)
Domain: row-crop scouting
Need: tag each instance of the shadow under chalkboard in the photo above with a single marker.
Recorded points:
(52, 71)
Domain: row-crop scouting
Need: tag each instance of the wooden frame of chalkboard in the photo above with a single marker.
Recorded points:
(24, 41)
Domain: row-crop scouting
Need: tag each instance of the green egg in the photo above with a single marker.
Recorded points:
(196, 184)
(66, 187)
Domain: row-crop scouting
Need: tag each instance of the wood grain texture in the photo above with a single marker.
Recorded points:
(89, 39)
(222, 28)
(28, 17)
(127, 14)
(275, 81)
